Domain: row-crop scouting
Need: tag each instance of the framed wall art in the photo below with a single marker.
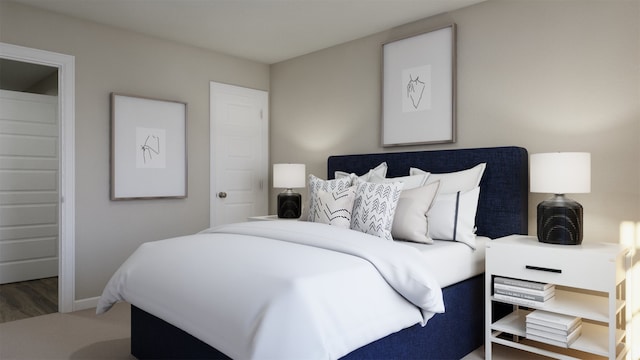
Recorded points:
(148, 148)
(418, 88)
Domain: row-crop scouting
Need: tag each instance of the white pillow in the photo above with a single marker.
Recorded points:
(316, 184)
(335, 208)
(452, 182)
(380, 170)
(374, 208)
(410, 220)
(410, 182)
(453, 217)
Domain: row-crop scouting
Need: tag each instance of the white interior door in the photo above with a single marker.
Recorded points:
(28, 186)
(239, 153)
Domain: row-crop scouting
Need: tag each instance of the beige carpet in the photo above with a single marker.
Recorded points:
(77, 335)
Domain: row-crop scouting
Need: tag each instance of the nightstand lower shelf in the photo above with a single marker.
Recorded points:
(593, 339)
(575, 304)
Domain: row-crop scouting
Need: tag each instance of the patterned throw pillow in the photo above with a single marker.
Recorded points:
(334, 208)
(316, 184)
(374, 208)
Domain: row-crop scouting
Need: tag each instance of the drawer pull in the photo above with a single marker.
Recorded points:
(558, 271)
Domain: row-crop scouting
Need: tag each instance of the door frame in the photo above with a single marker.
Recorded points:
(66, 148)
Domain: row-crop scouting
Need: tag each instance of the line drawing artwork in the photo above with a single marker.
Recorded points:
(415, 89)
(151, 147)
(149, 150)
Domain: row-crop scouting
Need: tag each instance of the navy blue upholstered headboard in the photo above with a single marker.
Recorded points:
(503, 203)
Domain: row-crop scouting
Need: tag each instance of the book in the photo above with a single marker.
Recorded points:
(521, 283)
(550, 330)
(545, 292)
(519, 301)
(553, 320)
(523, 295)
(558, 340)
(566, 337)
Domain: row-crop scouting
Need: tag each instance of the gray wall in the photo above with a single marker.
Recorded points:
(544, 75)
(110, 60)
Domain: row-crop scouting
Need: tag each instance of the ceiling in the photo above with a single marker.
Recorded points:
(267, 31)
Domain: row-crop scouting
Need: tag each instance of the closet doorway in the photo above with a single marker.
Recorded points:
(37, 171)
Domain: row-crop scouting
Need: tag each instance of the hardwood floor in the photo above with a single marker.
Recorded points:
(28, 299)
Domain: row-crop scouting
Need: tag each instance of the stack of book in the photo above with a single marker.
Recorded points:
(522, 292)
(552, 328)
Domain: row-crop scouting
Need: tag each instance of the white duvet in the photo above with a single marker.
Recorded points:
(279, 289)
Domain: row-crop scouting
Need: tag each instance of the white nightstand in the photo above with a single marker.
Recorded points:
(589, 283)
(269, 218)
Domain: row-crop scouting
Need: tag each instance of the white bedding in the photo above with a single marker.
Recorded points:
(279, 290)
(451, 261)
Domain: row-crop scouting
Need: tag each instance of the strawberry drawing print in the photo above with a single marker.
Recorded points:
(416, 92)
(415, 89)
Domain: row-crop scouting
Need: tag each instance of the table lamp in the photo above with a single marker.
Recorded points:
(560, 218)
(289, 176)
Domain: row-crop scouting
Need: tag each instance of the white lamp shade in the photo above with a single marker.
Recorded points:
(289, 176)
(561, 173)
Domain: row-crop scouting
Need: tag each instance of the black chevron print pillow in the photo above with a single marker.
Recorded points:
(316, 184)
(374, 208)
(334, 208)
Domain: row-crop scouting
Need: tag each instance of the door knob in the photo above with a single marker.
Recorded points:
(222, 194)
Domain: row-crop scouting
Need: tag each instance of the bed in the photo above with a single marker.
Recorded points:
(501, 210)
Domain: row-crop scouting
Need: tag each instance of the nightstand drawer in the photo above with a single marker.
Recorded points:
(567, 265)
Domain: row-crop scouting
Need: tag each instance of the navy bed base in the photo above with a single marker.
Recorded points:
(153, 338)
(502, 210)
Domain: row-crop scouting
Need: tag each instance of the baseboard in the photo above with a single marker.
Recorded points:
(84, 304)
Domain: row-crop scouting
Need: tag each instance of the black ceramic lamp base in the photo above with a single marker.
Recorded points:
(560, 221)
(289, 205)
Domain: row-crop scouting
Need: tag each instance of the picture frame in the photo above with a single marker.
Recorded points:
(148, 148)
(419, 88)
